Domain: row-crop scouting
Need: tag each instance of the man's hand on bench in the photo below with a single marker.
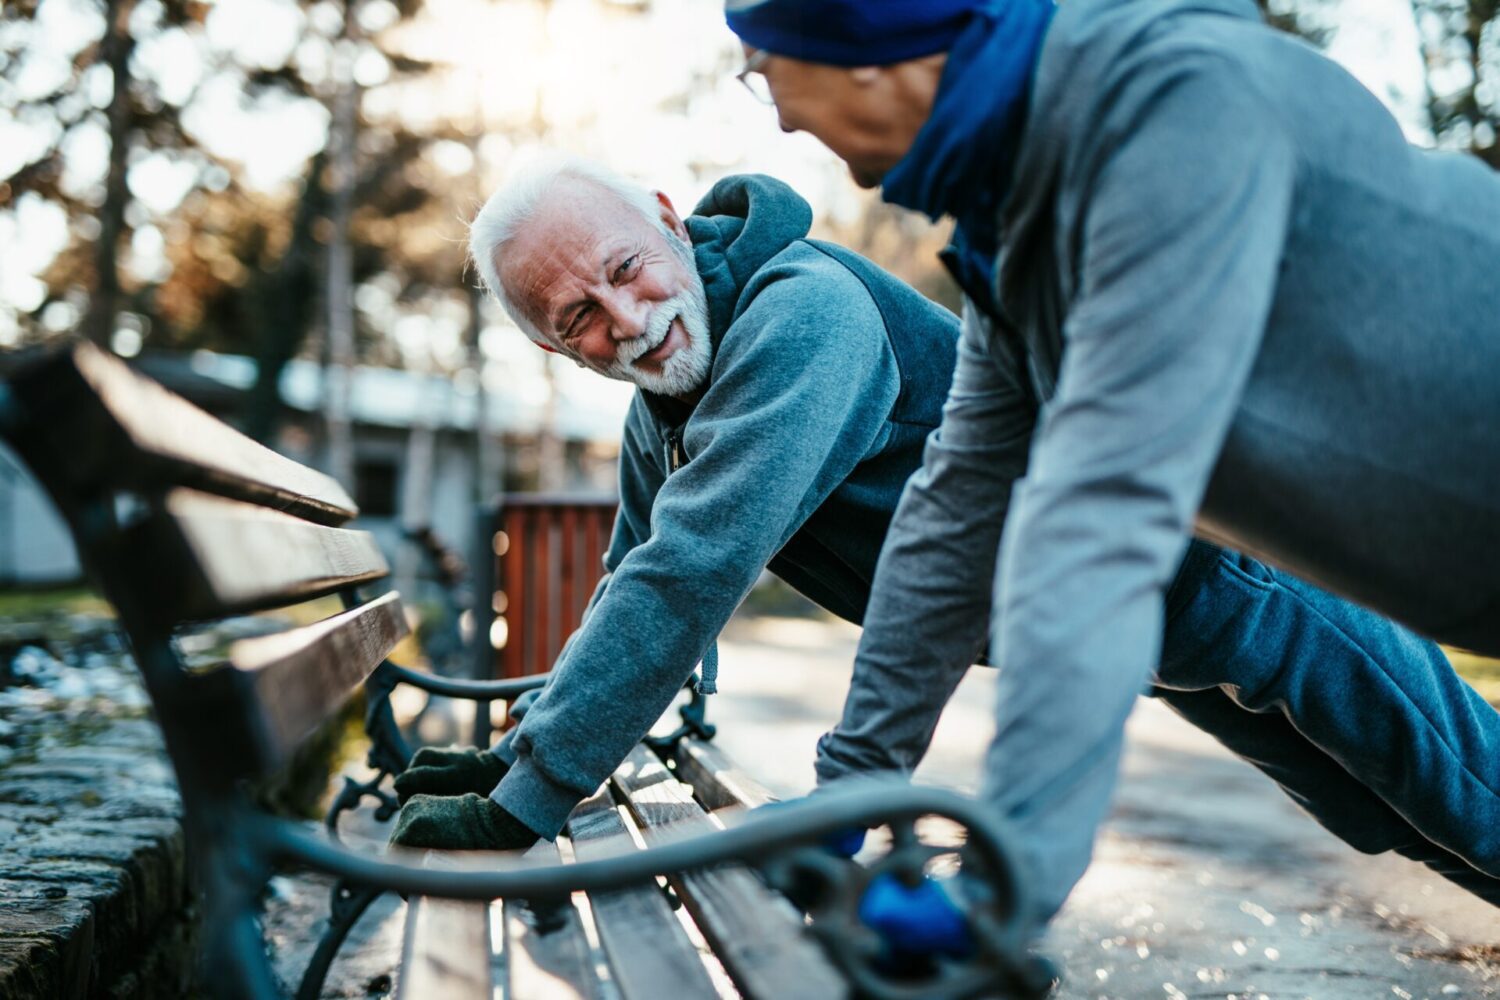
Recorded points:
(454, 771)
(917, 923)
(466, 822)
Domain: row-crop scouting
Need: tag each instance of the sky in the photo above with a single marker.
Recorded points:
(595, 77)
(1377, 41)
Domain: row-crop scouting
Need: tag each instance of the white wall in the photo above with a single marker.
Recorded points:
(35, 546)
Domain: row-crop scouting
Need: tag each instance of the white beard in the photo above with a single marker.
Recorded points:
(687, 369)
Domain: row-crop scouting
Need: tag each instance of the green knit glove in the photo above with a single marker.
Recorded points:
(459, 823)
(454, 771)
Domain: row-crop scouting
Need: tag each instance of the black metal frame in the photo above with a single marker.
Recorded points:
(389, 754)
(779, 842)
(785, 845)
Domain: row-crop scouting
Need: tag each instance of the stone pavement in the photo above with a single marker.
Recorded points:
(93, 889)
(1207, 883)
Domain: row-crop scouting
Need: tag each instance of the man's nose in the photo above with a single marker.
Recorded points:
(627, 317)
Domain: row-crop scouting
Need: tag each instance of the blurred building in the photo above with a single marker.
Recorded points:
(417, 454)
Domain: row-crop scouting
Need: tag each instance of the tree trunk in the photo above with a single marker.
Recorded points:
(339, 373)
(114, 51)
(282, 304)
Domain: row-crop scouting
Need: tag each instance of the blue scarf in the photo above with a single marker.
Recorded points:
(961, 161)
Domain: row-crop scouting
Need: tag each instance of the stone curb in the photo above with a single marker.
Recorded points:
(94, 893)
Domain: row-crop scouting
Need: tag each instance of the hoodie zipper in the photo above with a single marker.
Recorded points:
(708, 677)
(673, 450)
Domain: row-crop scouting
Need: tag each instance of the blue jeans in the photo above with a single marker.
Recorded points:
(1362, 723)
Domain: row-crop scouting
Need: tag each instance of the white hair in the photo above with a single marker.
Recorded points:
(515, 204)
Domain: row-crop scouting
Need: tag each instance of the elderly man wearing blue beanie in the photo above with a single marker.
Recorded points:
(1213, 291)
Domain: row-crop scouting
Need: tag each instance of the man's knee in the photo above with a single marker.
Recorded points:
(1217, 630)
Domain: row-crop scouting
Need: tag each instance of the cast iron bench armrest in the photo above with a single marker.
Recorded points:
(448, 687)
(754, 836)
(769, 839)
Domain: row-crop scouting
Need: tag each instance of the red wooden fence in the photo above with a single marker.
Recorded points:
(549, 555)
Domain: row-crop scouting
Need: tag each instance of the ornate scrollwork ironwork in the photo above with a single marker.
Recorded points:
(831, 889)
(353, 793)
(388, 755)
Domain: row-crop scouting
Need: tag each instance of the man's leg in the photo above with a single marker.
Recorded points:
(1381, 705)
(1316, 782)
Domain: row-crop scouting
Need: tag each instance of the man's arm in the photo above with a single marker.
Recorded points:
(930, 604)
(1183, 235)
(802, 388)
(641, 475)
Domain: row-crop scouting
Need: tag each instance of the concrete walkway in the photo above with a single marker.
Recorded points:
(1207, 881)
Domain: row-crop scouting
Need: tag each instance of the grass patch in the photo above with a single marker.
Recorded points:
(32, 604)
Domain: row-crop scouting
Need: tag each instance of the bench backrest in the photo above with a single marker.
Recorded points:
(178, 519)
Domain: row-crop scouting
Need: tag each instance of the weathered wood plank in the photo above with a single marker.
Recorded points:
(446, 952)
(718, 782)
(214, 557)
(755, 932)
(94, 424)
(302, 676)
(647, 947)
(547, 953)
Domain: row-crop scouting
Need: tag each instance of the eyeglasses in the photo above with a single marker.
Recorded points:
(754, 79)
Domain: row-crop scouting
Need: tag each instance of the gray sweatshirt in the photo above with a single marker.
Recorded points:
(827, 376)
(1246, 305)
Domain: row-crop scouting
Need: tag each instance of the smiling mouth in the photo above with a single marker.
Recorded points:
(660, 352)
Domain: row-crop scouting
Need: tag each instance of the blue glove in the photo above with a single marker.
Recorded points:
(916, 923)
(845, 843)
(804, 891)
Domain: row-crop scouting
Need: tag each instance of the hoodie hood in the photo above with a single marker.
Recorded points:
(742, 223)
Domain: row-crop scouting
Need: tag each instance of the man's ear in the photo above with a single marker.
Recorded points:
(669, 215)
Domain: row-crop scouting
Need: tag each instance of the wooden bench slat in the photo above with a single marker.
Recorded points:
(302, 676)
(718, 782)
(218, 557)
(101, 426)
(646, 944)
(446, 951)
(755, 932)
(547, 959)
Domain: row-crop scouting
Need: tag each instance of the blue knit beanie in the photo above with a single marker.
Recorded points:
(851, 32)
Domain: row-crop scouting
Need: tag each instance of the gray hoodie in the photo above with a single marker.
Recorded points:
(828, 374)
(1246, 301)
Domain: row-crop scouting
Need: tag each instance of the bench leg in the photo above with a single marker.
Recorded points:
(347, 904)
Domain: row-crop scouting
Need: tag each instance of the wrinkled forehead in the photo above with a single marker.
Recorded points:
(574, 227)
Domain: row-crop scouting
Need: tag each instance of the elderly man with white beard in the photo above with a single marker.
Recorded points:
(786, 389)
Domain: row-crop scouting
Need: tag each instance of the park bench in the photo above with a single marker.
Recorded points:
(180, 520)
